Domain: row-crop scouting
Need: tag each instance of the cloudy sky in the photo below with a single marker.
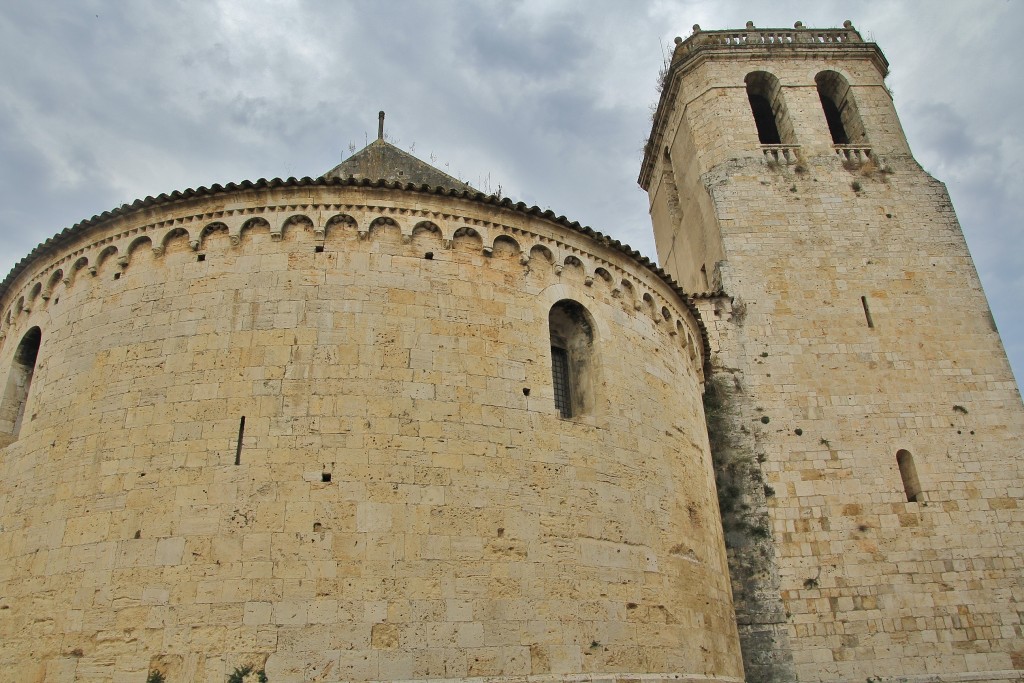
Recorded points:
(105, 102)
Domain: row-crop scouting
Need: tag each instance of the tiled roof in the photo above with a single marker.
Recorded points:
(380, 160)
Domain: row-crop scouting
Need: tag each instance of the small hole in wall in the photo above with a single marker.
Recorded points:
(200, 257)
(325, 476)
(526, 391)
(317, 526)
(56, 300)
(117, 276)
(429, 256)
(319, 248)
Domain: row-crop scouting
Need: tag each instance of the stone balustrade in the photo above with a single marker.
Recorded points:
(781, 154)
(768, 37)
(857, 154)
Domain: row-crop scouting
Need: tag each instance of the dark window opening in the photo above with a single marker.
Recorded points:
(834, 120)
(19, 381)
(560, 380)
(319, 249)
(201, 257)
(325, 477)
(764, 119)
(764, 92)
(840, 109)
(573, 361)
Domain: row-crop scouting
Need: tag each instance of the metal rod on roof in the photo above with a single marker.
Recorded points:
(380, 125)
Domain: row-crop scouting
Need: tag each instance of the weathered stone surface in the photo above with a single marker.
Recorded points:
(310, 427)
(851, 326)
(466, 530)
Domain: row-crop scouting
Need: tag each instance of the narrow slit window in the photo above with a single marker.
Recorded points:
(560, 380)
(867, 311)
(908, 472)
(238, 446)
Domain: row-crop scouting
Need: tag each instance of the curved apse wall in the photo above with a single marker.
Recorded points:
(405, 500)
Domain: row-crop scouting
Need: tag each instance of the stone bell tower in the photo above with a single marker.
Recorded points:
(864, 419)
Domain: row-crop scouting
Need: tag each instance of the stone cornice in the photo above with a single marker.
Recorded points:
(148, 218)
(798, 42)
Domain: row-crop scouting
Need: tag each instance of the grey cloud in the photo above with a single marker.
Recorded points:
(550, 100)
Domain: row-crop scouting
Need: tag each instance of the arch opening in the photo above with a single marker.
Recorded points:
(573, 359)
(19, 381)
(769, 109)
(840, 109)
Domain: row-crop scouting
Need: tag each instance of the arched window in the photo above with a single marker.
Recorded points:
(12, 406)
(908, 472)
(769, 109)
(840, 109)
(572, 358)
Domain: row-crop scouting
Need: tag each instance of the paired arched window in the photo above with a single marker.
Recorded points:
(908, 472)
(840, 109)
(572, 358)
(769, 109)
(19, 380)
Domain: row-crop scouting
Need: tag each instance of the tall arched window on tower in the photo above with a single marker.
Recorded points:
(840, 109)
(572, 358)
(19, 380)
(908, 472)
(765, 95)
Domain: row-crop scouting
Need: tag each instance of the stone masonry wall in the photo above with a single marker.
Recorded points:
(876, 585)
(864, 332)
(406, 502)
